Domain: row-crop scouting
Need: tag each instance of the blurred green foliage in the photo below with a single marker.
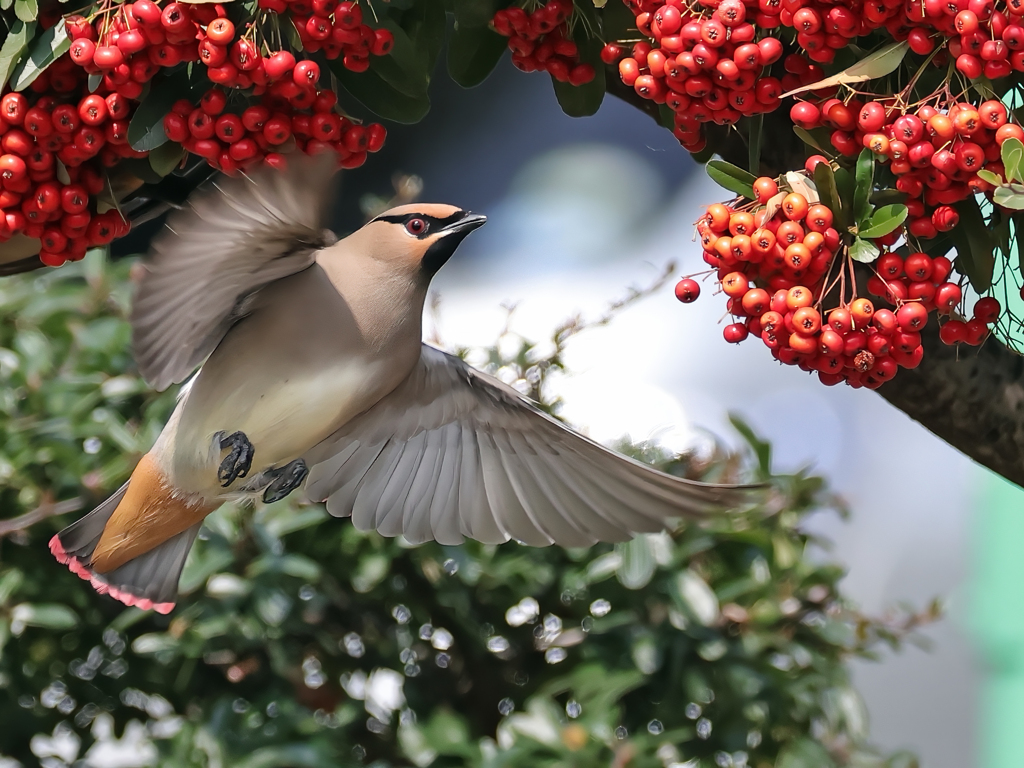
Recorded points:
(300, 641)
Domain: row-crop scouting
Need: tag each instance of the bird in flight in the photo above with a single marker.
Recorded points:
(313, 370)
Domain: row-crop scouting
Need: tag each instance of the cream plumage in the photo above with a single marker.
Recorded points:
(314, 365)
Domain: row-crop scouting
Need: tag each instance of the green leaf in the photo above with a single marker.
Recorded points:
(731, 177)
(473, 53)
(865, 179)
(14, 46)
(10, 582)
(1012, 152)
(51, 45)
(638, 565)
(146, 130)
(992, 178)
(804, 753)
(863, 251)
(871, 67)
(1009, 196)
(44, 615)
(5, 5)
(474, 13)
(694, 597)
(26, 10)
(406, 67)
(583, 100)
(975, 251)
(380, 97)
(817, 139)
(884, 220)
(166, 158)
(825, 181)
(756, 128)
(762, 450)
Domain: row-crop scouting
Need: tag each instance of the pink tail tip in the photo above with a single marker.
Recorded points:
(78, 568)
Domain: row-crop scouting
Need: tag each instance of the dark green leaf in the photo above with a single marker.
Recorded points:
(473, 52)
(731, 177)
(14, 46)
(166, 158)
(1012, 153)
(865, 186)
(974, 247)
(762, 450)
(884, 220)
(374, 93)
(474, 13)
(405, 68)
(26, 10)
(584, 100)
(146, 130)
(863, 251)
(845, 183)
(47, 48)
(887, 197)
(817, 139)
(755, 126)
(825, 181)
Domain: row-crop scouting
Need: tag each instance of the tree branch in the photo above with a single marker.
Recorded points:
(971, 398)
(43, 511)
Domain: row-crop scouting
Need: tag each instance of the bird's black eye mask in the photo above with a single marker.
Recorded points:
(421, 225)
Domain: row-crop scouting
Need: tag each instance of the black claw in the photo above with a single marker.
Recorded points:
(285, 480)
(238, 461)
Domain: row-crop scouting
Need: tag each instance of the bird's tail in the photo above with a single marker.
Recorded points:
(133, 545)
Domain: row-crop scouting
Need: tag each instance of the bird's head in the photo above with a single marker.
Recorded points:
(422, 235)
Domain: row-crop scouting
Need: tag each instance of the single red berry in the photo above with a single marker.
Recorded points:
(687, 290)
(987, 310)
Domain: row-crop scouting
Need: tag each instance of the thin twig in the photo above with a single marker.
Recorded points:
(43, 511)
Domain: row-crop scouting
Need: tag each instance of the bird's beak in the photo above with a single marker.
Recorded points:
(465, 225)
(447, 239)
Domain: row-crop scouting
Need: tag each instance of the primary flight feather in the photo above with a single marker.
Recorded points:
(314, 371)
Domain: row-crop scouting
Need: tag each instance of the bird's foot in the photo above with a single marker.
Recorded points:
(239, 458)
(284, 480)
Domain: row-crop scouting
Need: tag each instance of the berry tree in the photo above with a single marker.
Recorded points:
(873, 147)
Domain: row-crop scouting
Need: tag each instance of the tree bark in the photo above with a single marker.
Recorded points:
(973, 398)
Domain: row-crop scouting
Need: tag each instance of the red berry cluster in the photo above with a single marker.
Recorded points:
(934, 154)
(263, 132)
(706, 68)
(336, 28)
(773, 259)
(540, 41)
(57, 138)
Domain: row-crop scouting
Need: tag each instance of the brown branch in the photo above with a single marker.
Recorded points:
(43, 511)
(971, 398)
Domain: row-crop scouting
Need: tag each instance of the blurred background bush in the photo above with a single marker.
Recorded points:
(303, 642)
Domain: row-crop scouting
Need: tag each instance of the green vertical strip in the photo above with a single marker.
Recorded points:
(996, 615)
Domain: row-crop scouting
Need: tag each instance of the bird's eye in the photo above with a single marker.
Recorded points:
(416, 227)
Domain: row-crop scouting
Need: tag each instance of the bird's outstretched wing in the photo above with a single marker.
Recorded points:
(454, 453)
(231, 239)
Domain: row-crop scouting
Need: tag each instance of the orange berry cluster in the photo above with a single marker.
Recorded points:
(779, 260)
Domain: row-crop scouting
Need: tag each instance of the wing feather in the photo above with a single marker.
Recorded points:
(454, 453)
(231, 239)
